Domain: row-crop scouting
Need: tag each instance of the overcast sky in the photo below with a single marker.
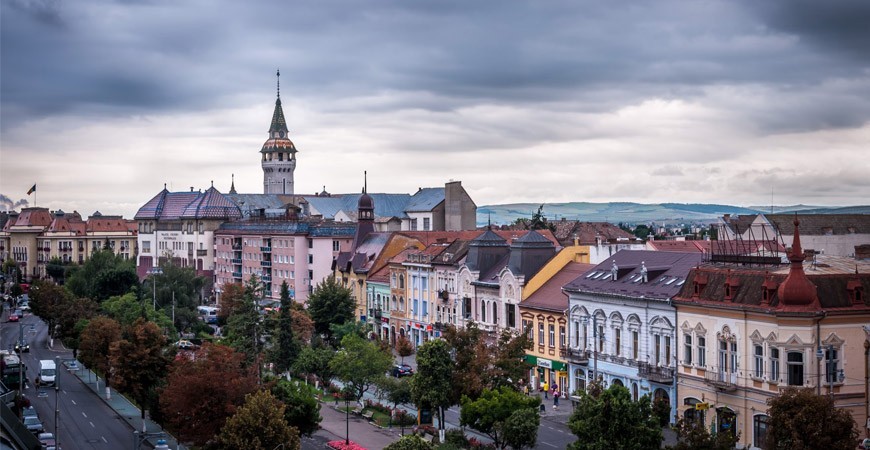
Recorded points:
(688, 101)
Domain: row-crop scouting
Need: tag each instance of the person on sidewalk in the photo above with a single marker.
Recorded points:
(556, 395)
(546, 389)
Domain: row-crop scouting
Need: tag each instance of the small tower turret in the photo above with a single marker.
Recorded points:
(278, 153)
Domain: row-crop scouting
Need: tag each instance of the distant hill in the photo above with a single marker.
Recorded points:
(628, 212)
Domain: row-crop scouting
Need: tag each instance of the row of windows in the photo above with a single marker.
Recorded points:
(549, 337)
(426, 224)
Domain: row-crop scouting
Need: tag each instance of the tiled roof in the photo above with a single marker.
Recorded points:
(666, 273)
(425, 199)
(822, 224)
(166, 205)
(102, 224)
(65, 225)
(550, 295)
(532, 239)
(680, 246)
(831, 275)
(491, 275)
(211, 205)
(740, 223)
(33, 217)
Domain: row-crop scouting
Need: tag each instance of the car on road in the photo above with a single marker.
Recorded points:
(864, 444)
(33, 424)
(28, 411)
(15, 315)
(24, 306)
(402, 370)
(22, 346)
(185, 345)
(46, 439)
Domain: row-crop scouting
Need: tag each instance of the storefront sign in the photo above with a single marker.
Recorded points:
(703, 406)
(546, 363)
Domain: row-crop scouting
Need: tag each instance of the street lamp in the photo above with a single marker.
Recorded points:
(56, 398)
(153, 272)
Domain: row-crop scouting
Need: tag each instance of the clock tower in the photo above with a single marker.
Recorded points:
(278, 153)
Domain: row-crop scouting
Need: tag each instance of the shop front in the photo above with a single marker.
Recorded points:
(547, 371)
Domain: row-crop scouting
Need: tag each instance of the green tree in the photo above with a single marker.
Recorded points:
(231, 298)
(70, 312)
(360, 364)
(509, 365)
(56, 269)
(259, 425)
(287, 347)
(180, 283)
(432, 384)
(395, 391)
(315, 361)
(95, 342)
(330, 303)
(243, 328)
(410, 442)
(138, 361)
(611, 419)
(802, 420)
(694, 436)
(491, 413)
(103, 275)
(45, 299)
(302, 410)
(520, 430)
(202, 392)
(539, 221)
(339, 331)
(126, 309)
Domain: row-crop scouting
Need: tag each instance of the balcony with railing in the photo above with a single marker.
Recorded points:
(237, 275)
(721, 379)
(658, 374)
(265, 249)
(578, 355)
(265, 263)
(236, 261)
(202, 252)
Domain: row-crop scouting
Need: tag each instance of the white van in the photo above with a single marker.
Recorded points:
(47, 372)
(208, 314)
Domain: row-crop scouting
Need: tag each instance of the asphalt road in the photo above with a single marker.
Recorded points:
(86, 422)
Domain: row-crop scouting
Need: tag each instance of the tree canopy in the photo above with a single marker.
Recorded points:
(286, 348)
(330, 304)
(259, 425)
(103, 275)
(491, 414)
(802, 420)
(201, 393)
(95, 342)
(315, 360)
(360, 364)
(431, 385)
(139, 361)
(608, 418)
(302, 410)
(410, 442)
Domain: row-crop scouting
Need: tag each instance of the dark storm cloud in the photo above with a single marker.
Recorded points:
(105, 58)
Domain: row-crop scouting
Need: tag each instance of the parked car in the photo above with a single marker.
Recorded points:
(24, 306)
(33, 424)
(15, 315)
(864, 444)
(402, 370)
(22, 346)
(185, 345)
(28, 411)
(47, 440)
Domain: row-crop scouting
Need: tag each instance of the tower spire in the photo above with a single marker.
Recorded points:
(278, 75)
(365, 181)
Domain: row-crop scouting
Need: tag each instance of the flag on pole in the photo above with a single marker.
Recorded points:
(32, 189)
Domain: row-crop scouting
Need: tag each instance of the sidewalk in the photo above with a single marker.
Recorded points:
(126, 410)
(334, 426)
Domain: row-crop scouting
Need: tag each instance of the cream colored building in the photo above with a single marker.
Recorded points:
(745, 333)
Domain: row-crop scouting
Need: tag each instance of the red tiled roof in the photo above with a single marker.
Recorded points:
(680, 246)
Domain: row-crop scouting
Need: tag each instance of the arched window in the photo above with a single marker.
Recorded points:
(402, 304)
(634, 391)
(393, 305)
(482, 311)
(401, 281)
(759, 430)
(494, 313)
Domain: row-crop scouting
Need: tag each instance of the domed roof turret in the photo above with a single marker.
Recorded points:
(797, 290)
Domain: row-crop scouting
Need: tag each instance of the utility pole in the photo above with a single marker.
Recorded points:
(20, 361)
(56, 397)
(595, 347)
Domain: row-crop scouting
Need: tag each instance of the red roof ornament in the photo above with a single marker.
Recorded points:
(797, 291)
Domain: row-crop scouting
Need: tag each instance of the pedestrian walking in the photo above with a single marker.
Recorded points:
(546, 389)
(556, 395)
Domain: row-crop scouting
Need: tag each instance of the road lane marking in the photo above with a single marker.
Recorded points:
(74, 402)
(83, 413)
(547, 443)
(104, 439)
(92, 424)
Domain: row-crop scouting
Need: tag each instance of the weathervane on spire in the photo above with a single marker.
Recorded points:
(278, 74)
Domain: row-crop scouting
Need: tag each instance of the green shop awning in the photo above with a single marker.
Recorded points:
(558, 366)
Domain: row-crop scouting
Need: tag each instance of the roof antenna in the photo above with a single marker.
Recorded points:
(212, 183)
(489, 220)
(164, 186)
(365, 181)
(278, 74)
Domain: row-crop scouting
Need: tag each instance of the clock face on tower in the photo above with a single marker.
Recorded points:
(281, 134)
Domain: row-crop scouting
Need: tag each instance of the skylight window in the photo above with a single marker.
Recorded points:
(590, 274)
(671, 281)
(682, 282)
(597, 275)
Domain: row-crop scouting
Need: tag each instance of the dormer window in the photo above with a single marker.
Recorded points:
(856, 291)
(699, 283)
